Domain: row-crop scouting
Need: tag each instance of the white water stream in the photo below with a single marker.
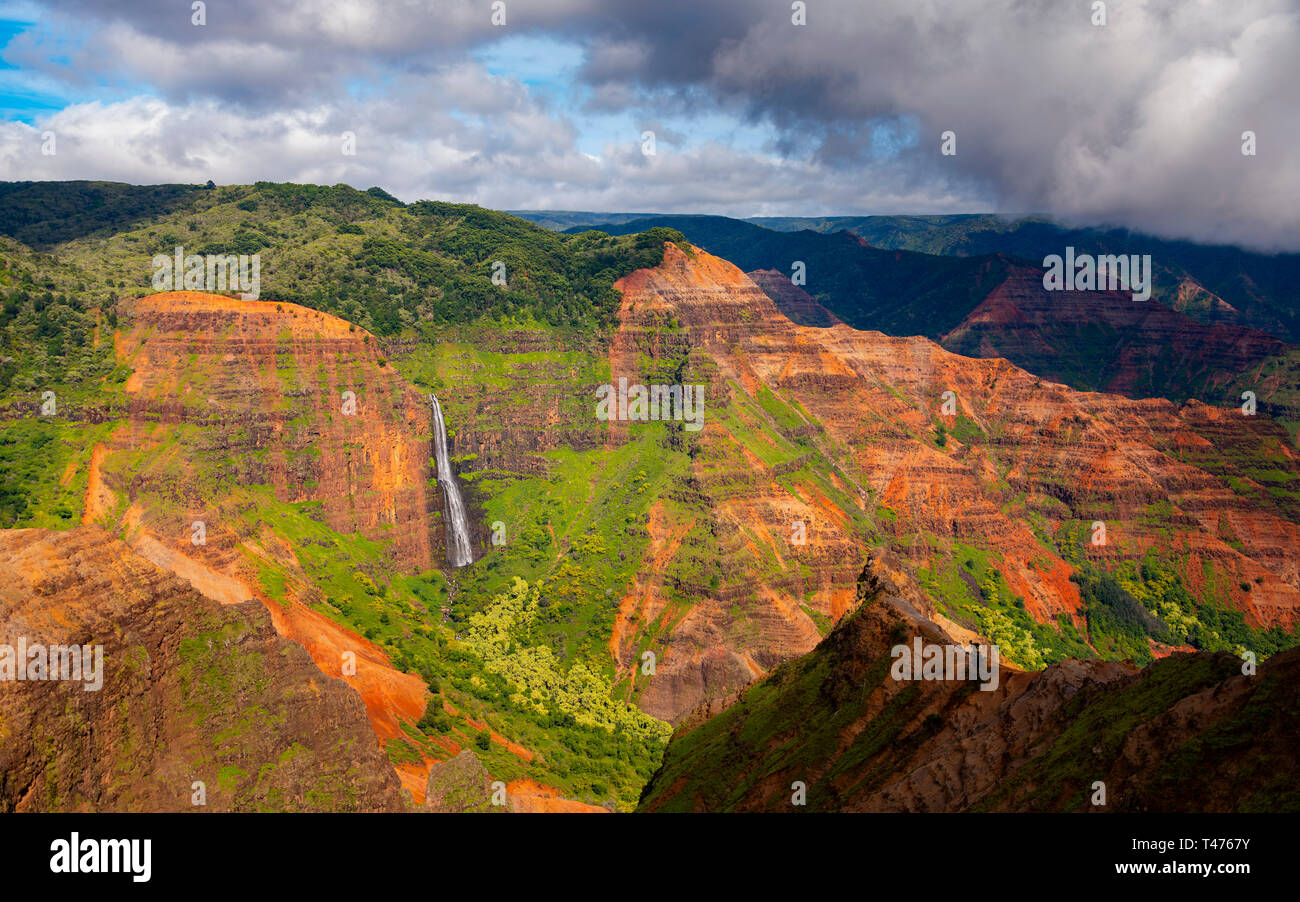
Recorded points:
(459, 551)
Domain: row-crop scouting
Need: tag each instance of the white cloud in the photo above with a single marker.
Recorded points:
(1137, 123)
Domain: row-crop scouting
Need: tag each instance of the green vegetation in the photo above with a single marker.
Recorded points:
(52, 322)
(521, 688)
(503, 638)
(41, 483)
(360, 255)
(1205, 624)
(1124, 609)
(968, 588)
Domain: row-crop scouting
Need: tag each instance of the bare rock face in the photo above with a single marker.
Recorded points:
(193, 692)
(1188, 733)
(868, 408)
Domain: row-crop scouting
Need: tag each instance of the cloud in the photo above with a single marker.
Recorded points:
(1135, 123)
(498, 146)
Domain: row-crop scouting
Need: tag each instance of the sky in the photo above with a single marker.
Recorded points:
(756, 107)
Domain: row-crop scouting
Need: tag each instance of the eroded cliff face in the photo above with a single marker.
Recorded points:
(270, 452)
(725, 570)
(1041, 450)
(247, 421)
(282, 396)
(516, 393)
(852, 434)
(1190, 733)
(192, 691)
(1138, 348)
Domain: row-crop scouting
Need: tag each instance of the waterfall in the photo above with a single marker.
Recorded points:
(459, 551)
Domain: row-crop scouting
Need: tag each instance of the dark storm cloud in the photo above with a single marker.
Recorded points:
(1137, 122)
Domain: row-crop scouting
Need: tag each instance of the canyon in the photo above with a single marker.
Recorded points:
(283, 478)
(866, 405)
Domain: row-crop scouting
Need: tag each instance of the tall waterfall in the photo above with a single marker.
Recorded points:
(459, 551)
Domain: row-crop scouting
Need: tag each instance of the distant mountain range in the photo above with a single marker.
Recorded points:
(1210, 283)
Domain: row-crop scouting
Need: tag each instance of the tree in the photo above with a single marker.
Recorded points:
(432, 715)
(483, 740)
